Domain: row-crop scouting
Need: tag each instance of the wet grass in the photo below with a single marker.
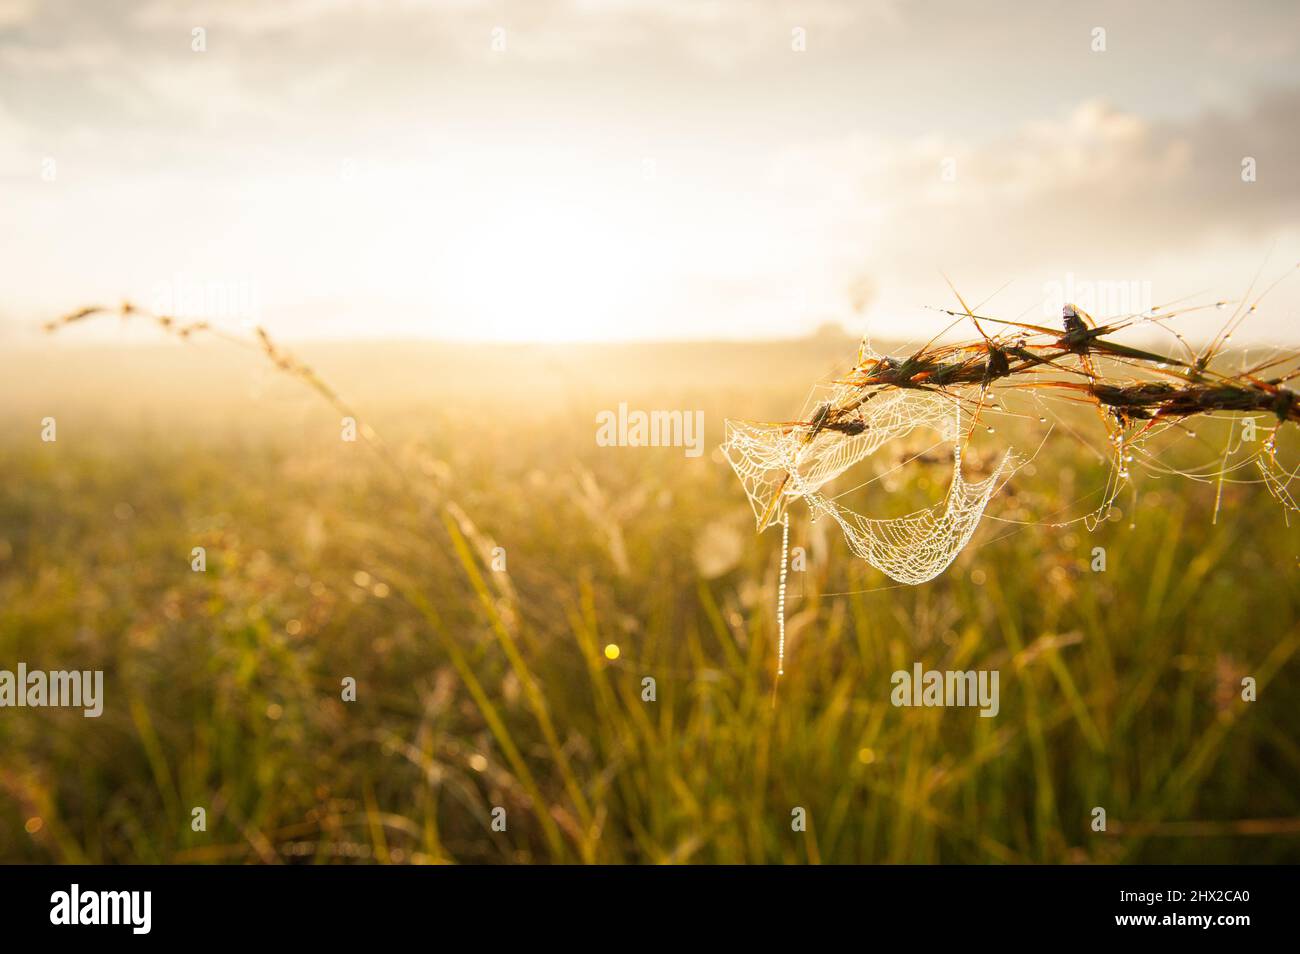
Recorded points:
(480, 688)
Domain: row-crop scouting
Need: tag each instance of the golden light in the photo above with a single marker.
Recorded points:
(546, 268)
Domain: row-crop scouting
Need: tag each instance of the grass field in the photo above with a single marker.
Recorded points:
(479, 689)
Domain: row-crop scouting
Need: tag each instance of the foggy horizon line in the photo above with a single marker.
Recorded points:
(35, 338)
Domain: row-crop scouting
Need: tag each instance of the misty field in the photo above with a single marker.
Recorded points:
(523, 689)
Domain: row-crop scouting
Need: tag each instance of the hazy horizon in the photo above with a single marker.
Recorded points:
(108, 331)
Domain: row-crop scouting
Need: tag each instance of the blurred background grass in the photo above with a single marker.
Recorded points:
(478, 688)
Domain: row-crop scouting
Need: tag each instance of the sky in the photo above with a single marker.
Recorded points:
(563, 170)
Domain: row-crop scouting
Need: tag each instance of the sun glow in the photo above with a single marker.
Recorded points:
(544, 270)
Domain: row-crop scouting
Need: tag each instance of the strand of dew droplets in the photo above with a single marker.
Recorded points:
(780, 595)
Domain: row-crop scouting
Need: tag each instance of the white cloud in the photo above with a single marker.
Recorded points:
(1098, 191)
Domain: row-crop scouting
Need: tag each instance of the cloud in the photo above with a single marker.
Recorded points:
(397, 48)
(1096, 184)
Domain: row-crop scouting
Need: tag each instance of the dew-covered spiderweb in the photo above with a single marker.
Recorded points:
(1148, 403)
(781, 463)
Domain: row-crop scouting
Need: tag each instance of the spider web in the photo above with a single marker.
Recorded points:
(1147, 402)
(779, 463)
